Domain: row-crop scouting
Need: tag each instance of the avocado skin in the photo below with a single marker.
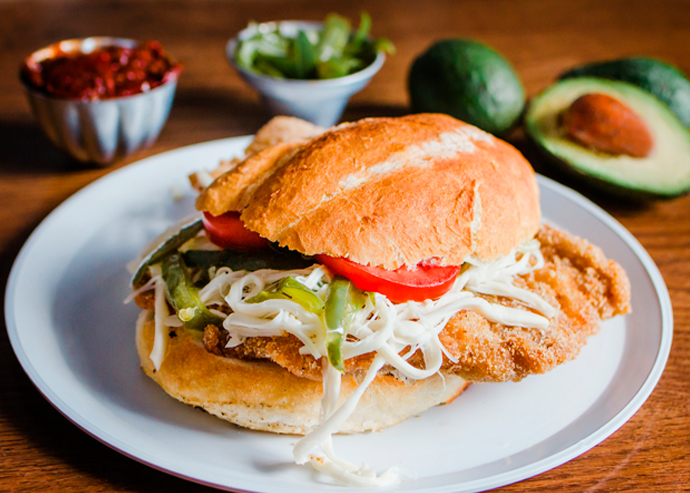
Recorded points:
(662, 80)
(570, 167)
(469, 81)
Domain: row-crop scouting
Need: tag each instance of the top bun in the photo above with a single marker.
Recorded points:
(391, 192)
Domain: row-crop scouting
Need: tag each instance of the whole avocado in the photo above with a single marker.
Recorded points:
(664, 81)
(468, 80)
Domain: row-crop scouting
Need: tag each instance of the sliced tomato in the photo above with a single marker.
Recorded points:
(228, 231)
(423, 282)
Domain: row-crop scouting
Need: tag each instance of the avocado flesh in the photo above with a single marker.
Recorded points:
(665, 172)
(660, 79)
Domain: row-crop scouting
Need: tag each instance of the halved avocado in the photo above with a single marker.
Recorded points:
(660, 79)
(664, 173)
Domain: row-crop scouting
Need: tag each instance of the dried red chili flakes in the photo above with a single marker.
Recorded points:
(108, 72)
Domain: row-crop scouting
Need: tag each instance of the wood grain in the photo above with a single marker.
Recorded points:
(42, 451)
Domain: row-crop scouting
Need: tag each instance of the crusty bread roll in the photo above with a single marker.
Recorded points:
(390, 192)
(263, 396)
(281, 129)
(232, 191)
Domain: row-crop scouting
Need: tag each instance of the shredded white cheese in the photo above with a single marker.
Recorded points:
(161, 314)
(382, 327)
(163, 320)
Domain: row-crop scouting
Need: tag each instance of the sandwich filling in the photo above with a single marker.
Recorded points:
(274, 303)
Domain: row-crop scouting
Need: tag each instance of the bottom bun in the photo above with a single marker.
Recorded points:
(263, 396)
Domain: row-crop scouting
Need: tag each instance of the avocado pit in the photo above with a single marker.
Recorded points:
(603, 123)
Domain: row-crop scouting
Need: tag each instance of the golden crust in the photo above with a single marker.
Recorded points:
(396, 191)
(235, 181)
(281, 129)
(263, 396)
(233, 190)
(577, 278)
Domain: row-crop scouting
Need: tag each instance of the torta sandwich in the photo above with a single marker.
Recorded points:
(343, 280)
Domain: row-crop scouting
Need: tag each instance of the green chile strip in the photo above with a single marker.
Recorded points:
(343, 302)
(170, 245)
(291, 289)
(282, 259)
(184, 296)
(305, 57)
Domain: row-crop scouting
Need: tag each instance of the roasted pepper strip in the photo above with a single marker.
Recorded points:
(278, 259)
(291, 289)
(343, 302)
(170, 245)
(184, 296)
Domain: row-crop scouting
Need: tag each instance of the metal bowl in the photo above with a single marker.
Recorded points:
(318, 101)
(100, 131)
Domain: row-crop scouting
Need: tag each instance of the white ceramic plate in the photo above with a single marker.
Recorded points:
(75, 339)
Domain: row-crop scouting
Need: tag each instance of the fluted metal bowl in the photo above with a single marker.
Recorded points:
(100, 131)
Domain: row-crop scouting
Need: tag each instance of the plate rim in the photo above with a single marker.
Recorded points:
(480, 484)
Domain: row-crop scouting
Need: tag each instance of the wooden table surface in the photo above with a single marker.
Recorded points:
(41, 451)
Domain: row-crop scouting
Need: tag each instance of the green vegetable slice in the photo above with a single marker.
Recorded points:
(383, 44)
(337, 67)
(170, 245)
(265, 65)
(260, 48)
(246, 53)
(362, 33)
(343, 302)
(305, 56)
(334, 38)
(331, 52)
(184, 296)
(291, 289)
(277, 259)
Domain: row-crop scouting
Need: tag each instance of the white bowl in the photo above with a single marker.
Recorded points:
(318, 101)
(100, 131)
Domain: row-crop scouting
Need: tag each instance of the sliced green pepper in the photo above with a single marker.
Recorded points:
(334, 37)
(305, 56)
(265, 65)
(383, 44)
(338, 67)
(361, 35)
(184, 296)
(170, 245)
(277, 259)
(291, 289)
(343, 302)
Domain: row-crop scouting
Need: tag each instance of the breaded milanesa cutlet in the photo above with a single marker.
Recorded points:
(576, 277)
